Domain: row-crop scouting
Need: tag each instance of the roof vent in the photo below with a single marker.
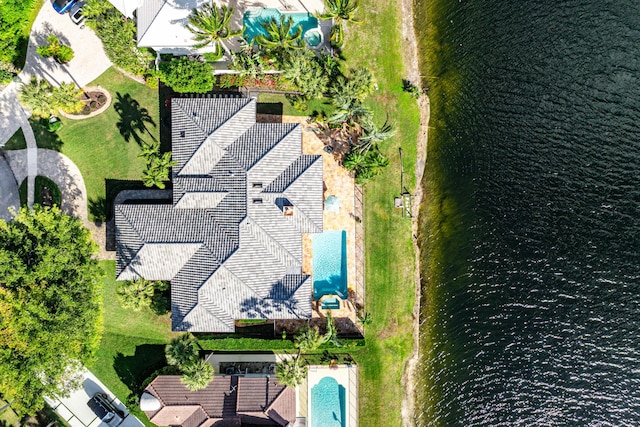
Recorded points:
(182, 134)
(257, 201)
(257, 185)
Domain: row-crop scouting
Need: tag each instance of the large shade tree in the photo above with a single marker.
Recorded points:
(210, 26)
(50, 305)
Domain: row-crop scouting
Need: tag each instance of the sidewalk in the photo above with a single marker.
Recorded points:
(76, 412)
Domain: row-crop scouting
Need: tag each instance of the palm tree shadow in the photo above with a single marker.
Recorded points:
(133, 119)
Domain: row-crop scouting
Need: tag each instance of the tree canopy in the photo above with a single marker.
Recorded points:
(185, 75)
(50, 304)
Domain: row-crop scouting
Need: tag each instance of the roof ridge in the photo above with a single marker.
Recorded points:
(253, 224)
(141, 36)
(289, 131)
(312, 159)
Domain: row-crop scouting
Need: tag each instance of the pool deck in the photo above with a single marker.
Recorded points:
(345, 375)
(339, 183)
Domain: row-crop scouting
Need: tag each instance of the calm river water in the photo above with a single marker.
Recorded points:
(531, 297)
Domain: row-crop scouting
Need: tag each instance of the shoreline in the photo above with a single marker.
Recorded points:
(410, 53)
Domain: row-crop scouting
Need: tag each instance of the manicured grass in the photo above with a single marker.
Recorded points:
(22, 192)
(16, 142)
(270, 103)
(97, 145)
(389, 256)
(132, 346)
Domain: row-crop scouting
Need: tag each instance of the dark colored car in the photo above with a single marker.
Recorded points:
(62, 6)
(75, 13)
(105, 410)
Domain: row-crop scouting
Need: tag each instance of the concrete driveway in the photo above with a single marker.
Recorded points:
(76, 412)
(88, 63)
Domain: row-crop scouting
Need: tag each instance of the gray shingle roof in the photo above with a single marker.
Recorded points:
(225, 242)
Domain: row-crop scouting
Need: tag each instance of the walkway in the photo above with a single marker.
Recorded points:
(89, 62)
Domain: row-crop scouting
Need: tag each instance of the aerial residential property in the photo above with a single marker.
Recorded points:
(182, 214)
(230, 242)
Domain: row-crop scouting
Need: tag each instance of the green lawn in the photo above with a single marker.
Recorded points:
(132, 346)
(389, 256)
(270, 103)
(16, 142)
(97, 145)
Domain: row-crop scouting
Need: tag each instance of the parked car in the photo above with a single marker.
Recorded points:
(105, 410)
(75, 13)
(62, 6)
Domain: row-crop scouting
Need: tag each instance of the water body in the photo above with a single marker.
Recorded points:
(531, 228)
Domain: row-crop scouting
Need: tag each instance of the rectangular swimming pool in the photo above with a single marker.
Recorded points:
(329, 263)
(253, 19)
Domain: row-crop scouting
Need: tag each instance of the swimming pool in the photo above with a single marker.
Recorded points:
(328, 404)
(329, 263)
(253, 18)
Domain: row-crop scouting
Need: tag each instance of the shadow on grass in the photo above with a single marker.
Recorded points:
(134, 370)
(44, 138)
(274, 108)
(98, 208)
(133, 119)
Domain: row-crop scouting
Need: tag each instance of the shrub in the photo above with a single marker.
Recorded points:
(61, 53)
(118, 36)
(14, 22)
(187, 76)
(5, 77)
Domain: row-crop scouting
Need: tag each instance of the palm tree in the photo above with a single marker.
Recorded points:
(340, 11)
(210, 26)
(372, 135)
(197, 375)
(66, 98)
(308, 339)
(353, 113)
(291, 372)
(37, 96)
(149, 150)
(182, 351)
(281, 36)
(306, 74)
(332, 331)
(135, 294)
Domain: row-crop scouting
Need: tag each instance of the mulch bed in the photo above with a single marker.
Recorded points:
(93, 101)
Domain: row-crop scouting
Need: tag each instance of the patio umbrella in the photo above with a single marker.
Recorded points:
(332, 204)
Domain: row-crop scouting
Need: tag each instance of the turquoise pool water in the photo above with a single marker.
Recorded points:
(328, 404)
(252, 20)
(329, 264)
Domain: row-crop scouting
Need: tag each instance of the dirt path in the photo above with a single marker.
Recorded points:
(413, 74)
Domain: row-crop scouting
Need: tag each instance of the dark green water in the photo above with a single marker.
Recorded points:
(531, 235)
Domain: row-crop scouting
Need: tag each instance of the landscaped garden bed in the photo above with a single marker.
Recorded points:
(96, 100)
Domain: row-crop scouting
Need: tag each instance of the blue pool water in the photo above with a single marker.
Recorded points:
(328, 404)
(252, 20)
(330, 264)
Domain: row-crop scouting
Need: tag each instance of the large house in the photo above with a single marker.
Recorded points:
(230, 242)
(228, 401)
